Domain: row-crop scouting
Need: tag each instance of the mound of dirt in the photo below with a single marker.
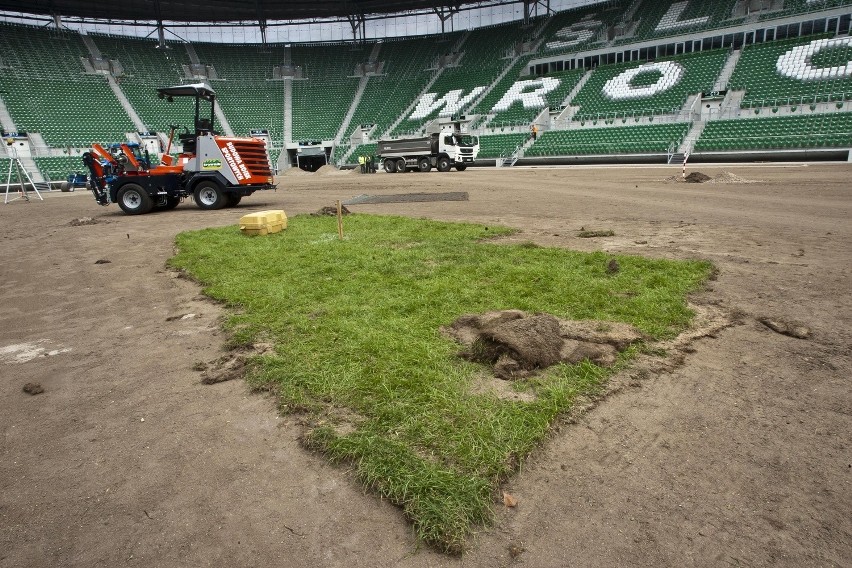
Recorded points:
(331, 210)
(226, 368)
(295, 172)
(329, 170)
(728, 177)
(83, 221)
(33, 388)
(518, 344)
(791, 329)
(697, 177)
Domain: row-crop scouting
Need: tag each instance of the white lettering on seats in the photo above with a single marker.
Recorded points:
(519, 92)
(450, 103)
(575, 34)
(798, 62)
(620, 87)
(671, 19)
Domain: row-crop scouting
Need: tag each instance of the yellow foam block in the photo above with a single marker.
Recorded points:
(263, 222)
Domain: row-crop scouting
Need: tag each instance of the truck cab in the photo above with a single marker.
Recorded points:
(460, 148)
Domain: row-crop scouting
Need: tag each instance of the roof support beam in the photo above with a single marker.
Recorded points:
(446, 13)
(261, 22)
(359, 24)
(161, 30)
(531, 8)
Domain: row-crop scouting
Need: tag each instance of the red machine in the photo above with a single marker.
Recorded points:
(217, 171)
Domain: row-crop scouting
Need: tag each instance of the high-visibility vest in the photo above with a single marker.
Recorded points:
(361, 159)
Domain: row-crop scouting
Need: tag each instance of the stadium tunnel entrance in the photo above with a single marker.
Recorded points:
(309, 155)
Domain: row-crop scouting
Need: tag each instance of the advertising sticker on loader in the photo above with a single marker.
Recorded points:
(234, 161)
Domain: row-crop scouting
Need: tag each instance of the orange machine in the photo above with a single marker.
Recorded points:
(217, 171)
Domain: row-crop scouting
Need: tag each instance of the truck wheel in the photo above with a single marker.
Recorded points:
(400, 165)
(208, 195)
(460, 167)
(443, 164)
(134, 200)
(65, 187)
(232, 199)
(390, 166)
(424, 165)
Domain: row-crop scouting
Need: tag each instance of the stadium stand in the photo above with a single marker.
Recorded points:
(573, 30)
(57, 168)
(322, 99)
(46, 91)
(656, 138)
(145, 68)
(481, 64)
(824, 130)
(794, 7)
(245, 91)
(660, 19)
(49, 86)
(523, 112)
(500, 145)
(67, 113)
(404, 75)
(608, 95)
(796, 71)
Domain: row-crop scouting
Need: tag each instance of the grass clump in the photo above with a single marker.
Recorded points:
(585, 234)
(355, 327)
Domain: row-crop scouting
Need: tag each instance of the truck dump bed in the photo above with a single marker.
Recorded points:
(406, 146)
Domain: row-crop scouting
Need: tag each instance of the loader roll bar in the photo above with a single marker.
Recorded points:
(199, 91)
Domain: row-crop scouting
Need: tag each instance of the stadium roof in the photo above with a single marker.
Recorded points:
(222, 10)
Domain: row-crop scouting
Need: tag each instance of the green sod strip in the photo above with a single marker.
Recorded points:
(355, 324)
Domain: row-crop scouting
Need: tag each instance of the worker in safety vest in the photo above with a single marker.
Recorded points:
(363, 161)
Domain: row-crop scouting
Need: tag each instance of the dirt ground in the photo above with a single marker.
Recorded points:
(740, 456)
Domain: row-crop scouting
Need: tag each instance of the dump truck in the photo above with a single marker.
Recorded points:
(216, 171)
(442, 150)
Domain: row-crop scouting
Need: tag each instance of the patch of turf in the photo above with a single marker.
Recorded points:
(355, 327)
(595, 234)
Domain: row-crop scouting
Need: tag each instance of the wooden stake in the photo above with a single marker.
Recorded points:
(339, 221)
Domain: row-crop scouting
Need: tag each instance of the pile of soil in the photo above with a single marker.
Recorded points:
(728, 177)
(331, 210)
(293, 171)
(329, 170)
(697, 177)
(518, 344)
(33, 388)
(83, 221)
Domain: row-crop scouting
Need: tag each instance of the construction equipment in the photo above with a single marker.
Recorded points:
(217, 171)
(443, 150)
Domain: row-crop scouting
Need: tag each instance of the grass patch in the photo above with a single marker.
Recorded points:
(355, 327)
(595, 234)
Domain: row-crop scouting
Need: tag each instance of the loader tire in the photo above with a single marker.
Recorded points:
(134, 200)
(232, 199)
(208, 195)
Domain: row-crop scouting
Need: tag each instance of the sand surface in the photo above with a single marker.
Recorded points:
(740, 456)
